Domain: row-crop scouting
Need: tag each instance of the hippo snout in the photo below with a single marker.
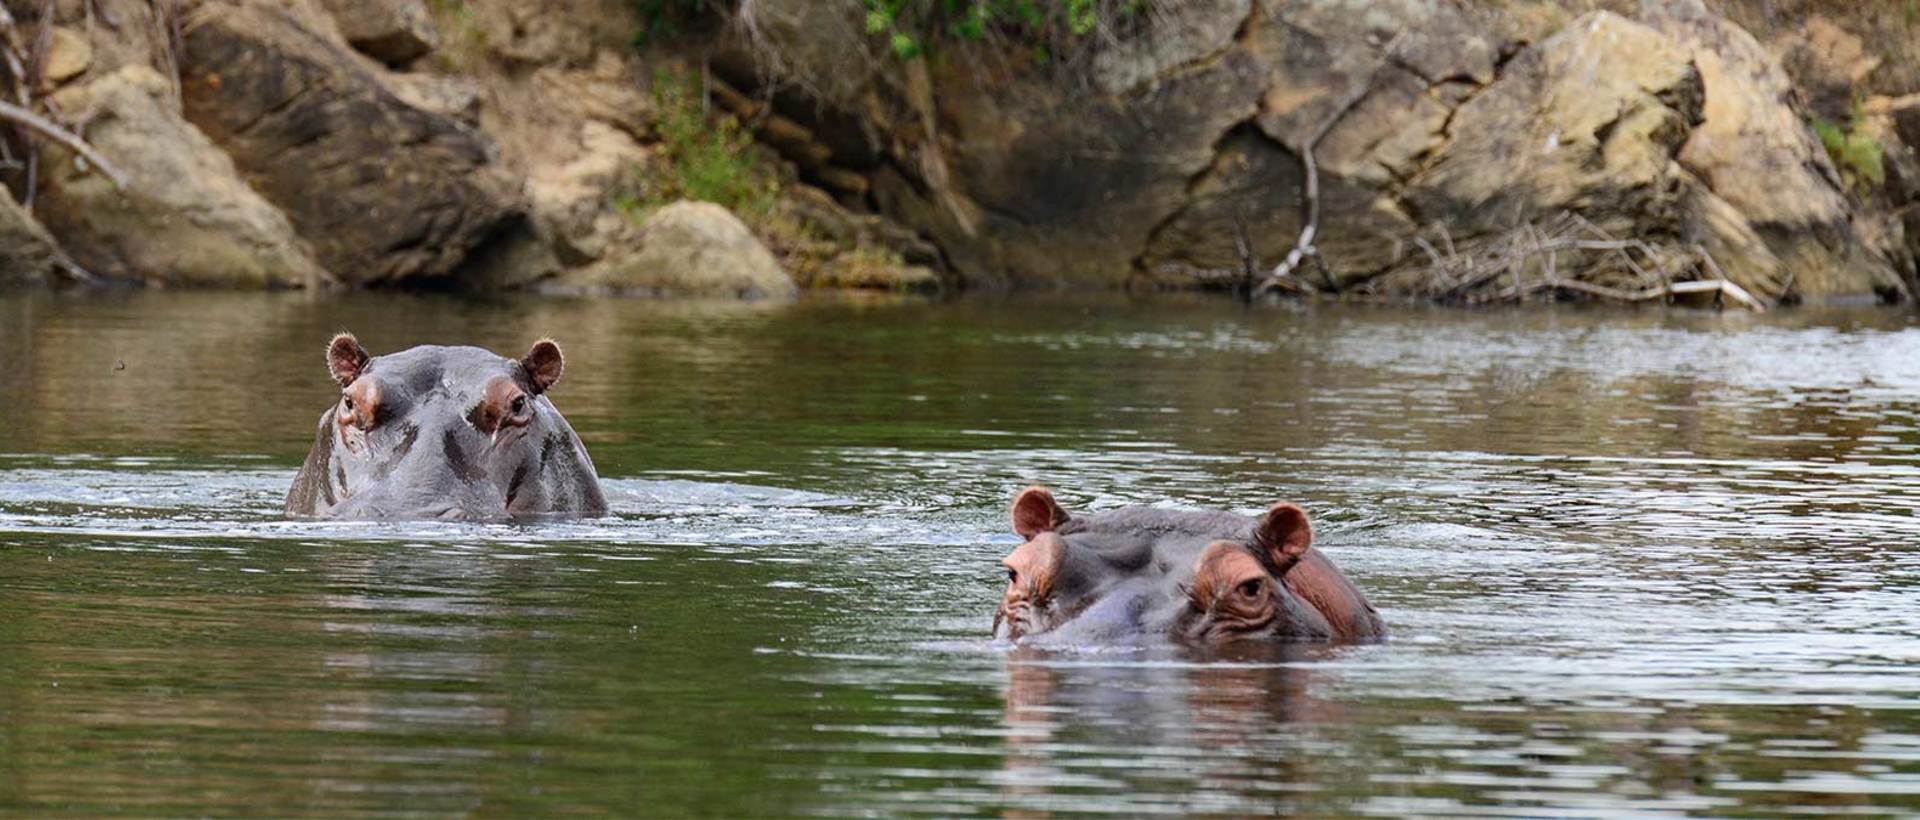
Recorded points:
(384, 504)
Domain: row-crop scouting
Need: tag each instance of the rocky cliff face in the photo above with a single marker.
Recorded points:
(1178, 158)
(493, 144)
(485, 144)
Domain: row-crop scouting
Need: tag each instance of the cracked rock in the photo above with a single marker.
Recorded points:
(186, 216)
(382, 189)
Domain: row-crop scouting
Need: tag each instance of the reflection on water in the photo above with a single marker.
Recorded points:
(1634, 562)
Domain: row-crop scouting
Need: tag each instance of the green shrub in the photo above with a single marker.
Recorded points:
(1859, 157)
(909, 26)
(707, 157)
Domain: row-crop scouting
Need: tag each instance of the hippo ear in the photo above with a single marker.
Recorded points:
(1035, 512)
(544, 365)
(1284, 534)
(346, 358)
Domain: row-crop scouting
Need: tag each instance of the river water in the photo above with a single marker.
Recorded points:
(1634, 562)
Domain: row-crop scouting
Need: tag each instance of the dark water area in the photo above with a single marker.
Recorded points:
(1634, 562)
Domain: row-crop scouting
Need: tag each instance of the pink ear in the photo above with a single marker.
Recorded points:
(544, 364)
(1285, 534)
(345, 358)
(1035, 512)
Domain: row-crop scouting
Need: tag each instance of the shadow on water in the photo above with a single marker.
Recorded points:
(1634, 563)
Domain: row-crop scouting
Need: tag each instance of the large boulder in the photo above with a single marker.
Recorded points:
(385, 191)
(1588, 120)
(689, 248)
(1755, 151)
(186, 215)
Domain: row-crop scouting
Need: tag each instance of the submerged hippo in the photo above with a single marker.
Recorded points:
(1205, 578)
(446, 433)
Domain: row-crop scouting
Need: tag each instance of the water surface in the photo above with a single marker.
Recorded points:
(1635, 562)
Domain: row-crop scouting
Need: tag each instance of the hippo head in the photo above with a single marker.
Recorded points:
(444, 433)
(1191, 577)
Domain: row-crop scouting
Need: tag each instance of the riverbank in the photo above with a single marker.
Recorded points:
(1530, 151)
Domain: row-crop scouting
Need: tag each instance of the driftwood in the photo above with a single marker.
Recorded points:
(1525, 262)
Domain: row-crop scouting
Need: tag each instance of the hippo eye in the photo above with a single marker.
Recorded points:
(347, 403)
(1013, 576)
(1249, 588)
(519, 405)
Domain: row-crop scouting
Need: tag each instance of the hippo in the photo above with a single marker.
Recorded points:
(449, 433)
(1206, 579)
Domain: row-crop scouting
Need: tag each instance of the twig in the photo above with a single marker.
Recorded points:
(72, 141)
(1249, 267)
(1497, 269)
(73, 269)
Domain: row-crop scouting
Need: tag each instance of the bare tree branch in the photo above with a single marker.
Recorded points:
(73, 142)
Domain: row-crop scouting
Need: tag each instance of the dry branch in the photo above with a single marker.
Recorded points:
(1303, 247)
(1497, 270)
(73, 142)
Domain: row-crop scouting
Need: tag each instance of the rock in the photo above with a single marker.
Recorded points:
(27, 252)
(851, 183)
(833, 247)
(68, 54)
(1756, 151)
(186, 216)
(1591, 120)
(690, 249)
(446, 95)
(866, 270)
(1587, 120)
(577, 199)
(1325, 64)
(394, 32)
(1432, 39)
(1827, 62)
(824, 45)
(1040, 184)
(1177, 154)
(1186, 34)
(518, 255)
(557, 32)
(384, 190)
(793, 141)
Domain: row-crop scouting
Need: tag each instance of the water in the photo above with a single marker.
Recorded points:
(1634, 563)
